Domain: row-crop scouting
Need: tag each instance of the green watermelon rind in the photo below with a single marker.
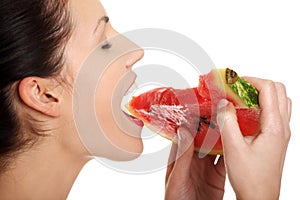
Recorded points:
(247, 92)
(239, 91)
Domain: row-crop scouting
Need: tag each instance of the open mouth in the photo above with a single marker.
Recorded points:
(129, 93)
(134, 119)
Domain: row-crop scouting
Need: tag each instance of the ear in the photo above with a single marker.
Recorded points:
(36, 93)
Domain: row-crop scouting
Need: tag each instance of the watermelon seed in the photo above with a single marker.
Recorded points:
(203, 118)
(212, 125)
(198, 129)
(205, 121)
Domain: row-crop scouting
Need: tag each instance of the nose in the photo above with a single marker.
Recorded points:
(134, 57)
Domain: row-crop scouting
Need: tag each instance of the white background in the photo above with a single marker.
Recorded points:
(256, 38)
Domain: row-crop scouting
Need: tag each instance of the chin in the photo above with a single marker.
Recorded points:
(130, 150)
(136, 152)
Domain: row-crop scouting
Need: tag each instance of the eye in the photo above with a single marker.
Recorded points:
(106, 45)
(106, 19)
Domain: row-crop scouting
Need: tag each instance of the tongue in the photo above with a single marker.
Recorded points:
(135, 120)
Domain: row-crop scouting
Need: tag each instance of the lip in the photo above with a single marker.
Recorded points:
(127, 123)
(126, 98)
(135, 120)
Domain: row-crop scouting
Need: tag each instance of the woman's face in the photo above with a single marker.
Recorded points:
(108, 138)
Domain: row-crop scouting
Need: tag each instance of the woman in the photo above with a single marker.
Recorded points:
(43, 46)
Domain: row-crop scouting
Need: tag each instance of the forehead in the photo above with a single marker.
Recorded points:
(86, 11)
(85, 16)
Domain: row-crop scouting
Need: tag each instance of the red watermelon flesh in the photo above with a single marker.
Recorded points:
(165, 109)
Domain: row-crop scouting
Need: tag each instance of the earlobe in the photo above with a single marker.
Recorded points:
(34, 93)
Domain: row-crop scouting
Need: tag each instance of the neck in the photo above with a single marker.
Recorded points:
(47, 171)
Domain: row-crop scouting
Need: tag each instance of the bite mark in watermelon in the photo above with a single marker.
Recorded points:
(165, 109)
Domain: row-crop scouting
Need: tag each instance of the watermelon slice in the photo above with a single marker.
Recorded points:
(165, 109)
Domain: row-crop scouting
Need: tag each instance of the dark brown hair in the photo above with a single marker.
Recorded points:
(33, 35)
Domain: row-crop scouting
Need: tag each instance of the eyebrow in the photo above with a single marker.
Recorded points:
(104, 18)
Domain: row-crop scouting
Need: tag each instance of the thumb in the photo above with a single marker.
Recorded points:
(184, 155)
(229, 128)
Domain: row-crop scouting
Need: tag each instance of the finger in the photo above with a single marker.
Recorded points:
(289, 108)
(181, 168)
(171, 160)
(283, 102)
(268, 101)
(230, 132)
(173, 152)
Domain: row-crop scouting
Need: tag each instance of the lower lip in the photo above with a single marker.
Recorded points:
(135, 120)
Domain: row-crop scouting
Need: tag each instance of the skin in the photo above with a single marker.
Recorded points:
(59, 157)
(190, 177)
(86, 37)
(262, 157)
(252, 163)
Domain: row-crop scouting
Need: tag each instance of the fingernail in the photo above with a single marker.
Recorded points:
(221, 115)
(222, 104)
(181, 135)
(175, 139)
(202, 155)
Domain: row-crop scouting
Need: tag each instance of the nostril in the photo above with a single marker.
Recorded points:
(128, 66)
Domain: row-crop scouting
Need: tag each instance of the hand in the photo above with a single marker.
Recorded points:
(190, 177)
(254, 165)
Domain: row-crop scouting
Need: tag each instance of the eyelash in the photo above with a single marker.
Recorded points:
(106, 45)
